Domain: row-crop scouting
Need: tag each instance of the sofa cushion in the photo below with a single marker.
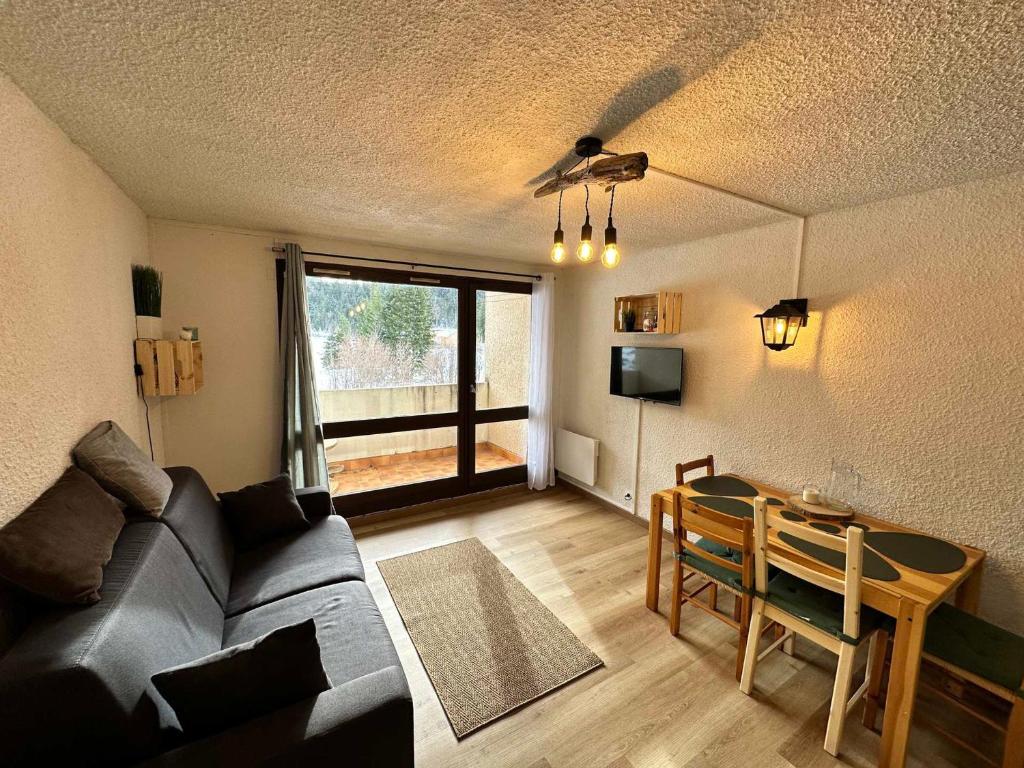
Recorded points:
(57, 547)
(325, 554)
(245, 681)
(194, 516)
(75, 687)
(124, 471)
(263, 511)
(353, 638)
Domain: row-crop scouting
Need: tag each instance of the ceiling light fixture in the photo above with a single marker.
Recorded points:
(558, 248)
(609, 172)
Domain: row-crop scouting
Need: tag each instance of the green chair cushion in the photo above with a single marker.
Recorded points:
(715, 571)
(819, 607)
(976, 646)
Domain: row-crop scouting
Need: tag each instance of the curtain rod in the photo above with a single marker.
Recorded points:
(413, 264)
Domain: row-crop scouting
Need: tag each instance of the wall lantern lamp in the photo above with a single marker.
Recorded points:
(781, 324)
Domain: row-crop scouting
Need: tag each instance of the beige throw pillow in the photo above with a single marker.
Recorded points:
(124, 471)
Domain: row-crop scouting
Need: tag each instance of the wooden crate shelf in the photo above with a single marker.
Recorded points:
(170, 367)
(668, 306)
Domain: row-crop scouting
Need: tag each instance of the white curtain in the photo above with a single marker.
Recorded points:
(540, 433)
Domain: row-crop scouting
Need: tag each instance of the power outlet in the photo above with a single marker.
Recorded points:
(628, 496)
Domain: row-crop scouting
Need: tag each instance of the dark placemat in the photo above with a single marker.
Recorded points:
(922, 553)
(792, 516)
(734, 507)
(857, 525)
(827, 527)
(874, 566)
(776, 502)
(723, 485)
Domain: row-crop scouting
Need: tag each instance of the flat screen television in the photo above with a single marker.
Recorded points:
(648, 373)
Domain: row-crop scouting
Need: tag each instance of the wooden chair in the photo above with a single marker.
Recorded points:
(821, 608)
(682, 469)
(723, 556)
(971, 650)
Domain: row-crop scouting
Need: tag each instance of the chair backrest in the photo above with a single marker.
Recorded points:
(852, 546)
(681, 469)
(737, 533)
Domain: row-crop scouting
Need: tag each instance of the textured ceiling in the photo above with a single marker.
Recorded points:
(424, 123)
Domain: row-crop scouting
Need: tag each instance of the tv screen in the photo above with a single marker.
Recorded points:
(648, 373)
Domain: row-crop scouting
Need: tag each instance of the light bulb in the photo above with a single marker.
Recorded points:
(585, 250)
(610, 256)
(558, 248)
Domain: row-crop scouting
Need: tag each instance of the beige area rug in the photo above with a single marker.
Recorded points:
(488, 645)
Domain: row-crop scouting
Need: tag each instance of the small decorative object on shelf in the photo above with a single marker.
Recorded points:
(656, 312)
(627, 319)
(189, 332)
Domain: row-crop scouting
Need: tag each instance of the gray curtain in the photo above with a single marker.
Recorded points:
(302, 443)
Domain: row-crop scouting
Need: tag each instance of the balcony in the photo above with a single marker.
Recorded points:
(372, 462)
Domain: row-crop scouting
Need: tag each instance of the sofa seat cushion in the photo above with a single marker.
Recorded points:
(194, 516)
(353, 638)
(324, 554)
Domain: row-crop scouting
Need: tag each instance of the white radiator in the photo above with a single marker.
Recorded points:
(576, 456)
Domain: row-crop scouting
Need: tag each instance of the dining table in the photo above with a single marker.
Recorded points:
(906, 575)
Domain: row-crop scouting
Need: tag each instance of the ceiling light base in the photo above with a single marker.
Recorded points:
(589, 146)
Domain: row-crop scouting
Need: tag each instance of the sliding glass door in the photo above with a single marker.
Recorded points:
(422, 382)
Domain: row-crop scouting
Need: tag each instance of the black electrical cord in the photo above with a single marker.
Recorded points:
(560, 193)
(138, 385)
(611, 204)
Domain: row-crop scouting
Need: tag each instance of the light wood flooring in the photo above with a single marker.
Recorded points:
(659, 700)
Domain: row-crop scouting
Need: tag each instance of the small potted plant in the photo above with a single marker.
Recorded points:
(628, 319)
(147, 285)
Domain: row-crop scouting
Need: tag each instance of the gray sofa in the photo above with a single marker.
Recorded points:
(75, 682)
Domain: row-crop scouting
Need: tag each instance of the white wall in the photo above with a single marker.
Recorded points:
(224, 281)
(910, 367)
(68, 236)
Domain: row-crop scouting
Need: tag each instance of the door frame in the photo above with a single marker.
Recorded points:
(465, 419)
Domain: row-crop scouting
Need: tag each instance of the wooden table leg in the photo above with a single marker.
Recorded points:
(902, 691)
(654, 553)
(968, 594)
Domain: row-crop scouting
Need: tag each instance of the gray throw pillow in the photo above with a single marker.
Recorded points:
(57, 547)
(124, 471)
(245, 681)
(263, 511)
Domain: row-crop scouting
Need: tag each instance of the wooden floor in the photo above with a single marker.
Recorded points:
(659, 700)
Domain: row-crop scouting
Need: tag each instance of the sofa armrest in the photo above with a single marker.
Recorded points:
(364, 722)
(315, 502)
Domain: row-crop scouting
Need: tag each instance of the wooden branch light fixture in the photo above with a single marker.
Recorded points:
(608, 172)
